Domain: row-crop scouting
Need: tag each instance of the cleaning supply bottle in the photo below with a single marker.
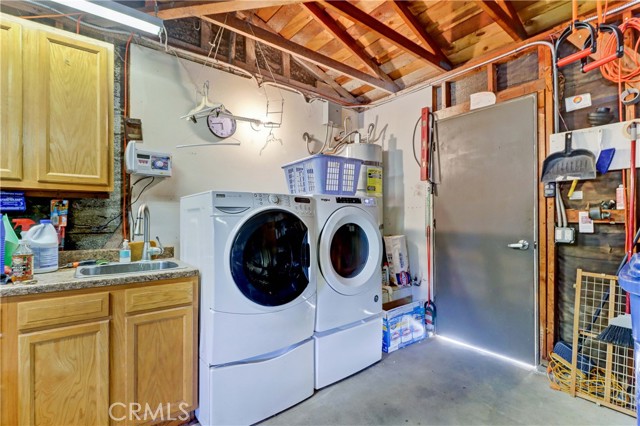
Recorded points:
(10, 240)
(125, 252)
(43, 240)
(22, 263)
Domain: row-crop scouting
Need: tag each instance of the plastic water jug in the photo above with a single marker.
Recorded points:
(43, 240)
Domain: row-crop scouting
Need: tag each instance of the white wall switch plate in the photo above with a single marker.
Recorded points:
(564, 235)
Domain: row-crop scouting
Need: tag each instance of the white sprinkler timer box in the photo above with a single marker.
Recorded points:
(147, 163)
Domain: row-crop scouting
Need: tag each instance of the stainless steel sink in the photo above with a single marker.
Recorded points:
(125, 268)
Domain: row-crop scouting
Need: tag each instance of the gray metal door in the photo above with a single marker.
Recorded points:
(485, 201)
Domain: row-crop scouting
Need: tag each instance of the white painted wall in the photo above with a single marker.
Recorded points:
(404, 193)
(162, 90)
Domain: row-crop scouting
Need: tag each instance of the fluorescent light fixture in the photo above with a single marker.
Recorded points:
(493, 354)
(117, 12)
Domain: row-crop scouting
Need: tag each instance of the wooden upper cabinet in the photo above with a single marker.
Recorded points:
(10, 100)
(65, 141)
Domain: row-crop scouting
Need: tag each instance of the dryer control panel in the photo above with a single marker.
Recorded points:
(366, 201)
(302, 206)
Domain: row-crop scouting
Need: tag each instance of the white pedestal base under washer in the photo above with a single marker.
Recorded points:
(348, 328)
(257, 301)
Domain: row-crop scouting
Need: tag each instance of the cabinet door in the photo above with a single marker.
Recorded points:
(64, 375)
(69, 91)
(10, 101)
(160, 363)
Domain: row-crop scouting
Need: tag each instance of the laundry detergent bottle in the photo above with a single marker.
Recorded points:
(43, 240)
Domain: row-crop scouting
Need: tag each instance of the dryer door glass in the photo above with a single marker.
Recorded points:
(349, 250)
(270, 258)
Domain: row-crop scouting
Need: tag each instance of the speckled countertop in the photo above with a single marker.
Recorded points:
(64, 279)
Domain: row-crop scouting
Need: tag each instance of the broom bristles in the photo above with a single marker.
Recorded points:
(618, 332)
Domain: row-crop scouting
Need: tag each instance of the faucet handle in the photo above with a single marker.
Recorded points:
(157, 250)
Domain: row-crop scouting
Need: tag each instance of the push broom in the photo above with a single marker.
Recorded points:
(618, 331)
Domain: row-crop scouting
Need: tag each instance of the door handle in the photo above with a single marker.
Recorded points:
(520, 245)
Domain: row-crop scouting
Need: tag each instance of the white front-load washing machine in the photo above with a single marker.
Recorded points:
(348, 328)
(256, 256)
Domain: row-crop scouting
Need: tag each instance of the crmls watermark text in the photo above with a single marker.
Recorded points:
(119, 411)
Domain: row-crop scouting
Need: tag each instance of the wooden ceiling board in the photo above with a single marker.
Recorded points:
(368, 5)
(398, 62)
(536, 20)
(296, 24)
(418, 76)
(458, 30)
(267, 13)
(406, 69)
(283, 16)
(382, 51)
(309, 32)
(492, 39)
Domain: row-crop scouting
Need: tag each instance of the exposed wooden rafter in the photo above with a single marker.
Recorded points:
(352, 45)
(414, 25)
(358, 16)
(511, 26)
(188, 10)
(256, 33)
(313, 69)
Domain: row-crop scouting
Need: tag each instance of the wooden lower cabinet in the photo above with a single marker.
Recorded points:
(92, 357)
(63, 376)
(160, 362)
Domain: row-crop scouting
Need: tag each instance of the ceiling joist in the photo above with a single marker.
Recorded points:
(341, 34)
(191, 10)
(274, 40)
(418, 29)
(511, 26)
(358, 16)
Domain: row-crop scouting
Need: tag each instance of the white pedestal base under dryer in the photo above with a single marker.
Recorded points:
(347, 350)
(348, 329)
(245, 393)
(256, 257)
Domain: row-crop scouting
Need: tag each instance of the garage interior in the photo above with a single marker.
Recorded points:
(471, 105)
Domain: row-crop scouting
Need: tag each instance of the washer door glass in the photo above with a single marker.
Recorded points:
(270, 258)
(349, 250)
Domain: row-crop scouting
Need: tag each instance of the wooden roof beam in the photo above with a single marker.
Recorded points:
(189, 10)
(358, 16)
(276, 41)
(352, 45)
(414, 25)
(513, 27)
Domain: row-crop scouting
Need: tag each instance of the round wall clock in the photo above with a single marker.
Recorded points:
(221, 126)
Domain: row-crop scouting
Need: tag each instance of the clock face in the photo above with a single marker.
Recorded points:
(222, 127)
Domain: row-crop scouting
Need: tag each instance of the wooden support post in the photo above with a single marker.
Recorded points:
(446, 94)
(492, 78)
(546, 215)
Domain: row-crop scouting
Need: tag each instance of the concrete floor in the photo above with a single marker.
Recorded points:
(436, 382)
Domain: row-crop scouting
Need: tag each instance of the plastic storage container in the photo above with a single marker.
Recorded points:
(323, 174)
(43, 240)
(629, 279)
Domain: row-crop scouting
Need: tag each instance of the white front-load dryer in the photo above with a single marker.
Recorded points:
(348, 327)
(255, 254)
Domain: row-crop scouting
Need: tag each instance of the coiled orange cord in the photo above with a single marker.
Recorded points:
(627, 68)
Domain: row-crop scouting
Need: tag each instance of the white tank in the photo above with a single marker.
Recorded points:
(370, 180)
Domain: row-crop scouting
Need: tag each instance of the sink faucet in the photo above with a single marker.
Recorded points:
(145, 217)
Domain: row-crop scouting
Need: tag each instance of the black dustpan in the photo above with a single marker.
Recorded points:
(570, 164)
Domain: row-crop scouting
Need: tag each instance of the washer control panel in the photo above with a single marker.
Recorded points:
(303, 206)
